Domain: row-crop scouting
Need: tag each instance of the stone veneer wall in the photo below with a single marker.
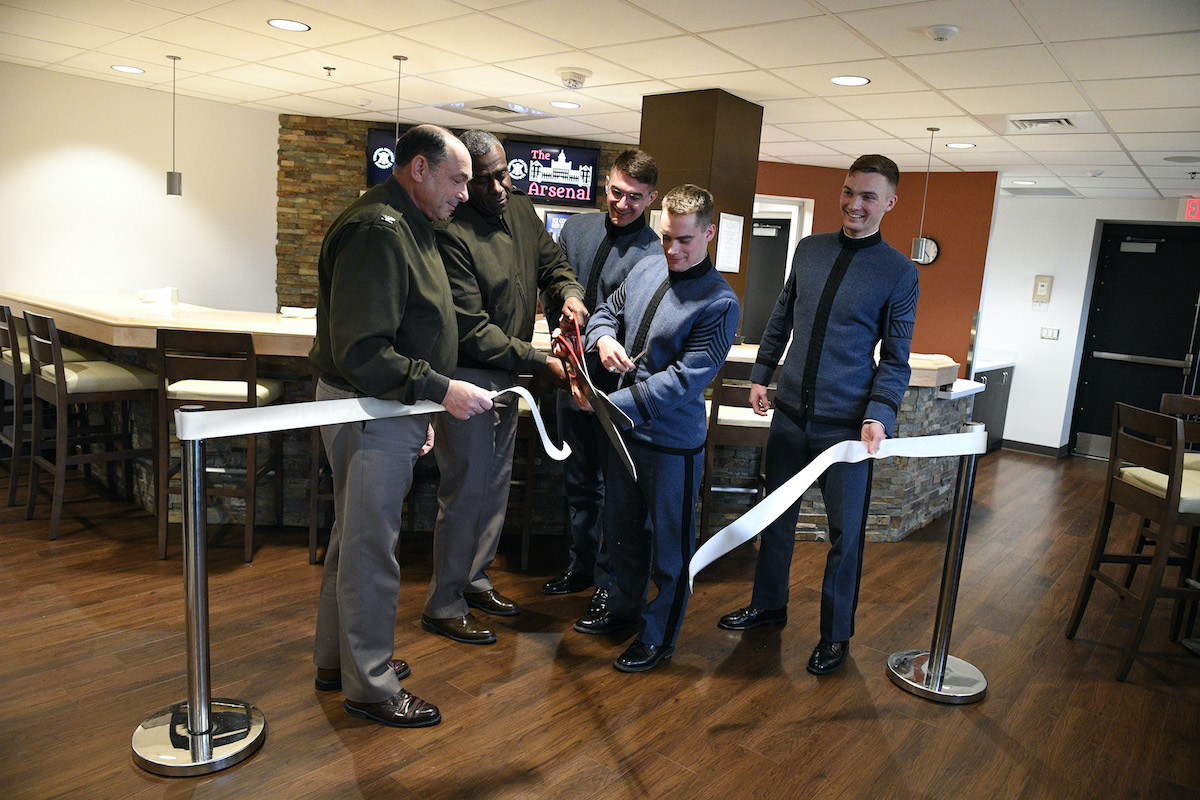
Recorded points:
(906, 493)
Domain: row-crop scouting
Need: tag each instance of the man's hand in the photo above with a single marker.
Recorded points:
(574, 308)
(464, 400)
(556, 372)
(425, 448)
(613, 356)
(758, 399)
(579, 394)
(873, 435)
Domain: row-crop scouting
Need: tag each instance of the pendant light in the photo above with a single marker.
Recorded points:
(924, 251)
(174, 179)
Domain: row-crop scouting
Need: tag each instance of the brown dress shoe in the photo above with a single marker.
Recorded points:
(401, 710)
(330, 680)
(466, 629)
(492, 602)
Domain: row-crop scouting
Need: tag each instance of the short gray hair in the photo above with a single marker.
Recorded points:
(479, 143)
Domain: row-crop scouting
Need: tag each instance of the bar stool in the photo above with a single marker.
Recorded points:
(732, 422)
(14, 372)
(1146, 475)
(63, 385)
(218, 370)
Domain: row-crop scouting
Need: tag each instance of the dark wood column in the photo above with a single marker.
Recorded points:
(710, 138)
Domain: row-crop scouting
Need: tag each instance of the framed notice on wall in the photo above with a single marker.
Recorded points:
(554, 174)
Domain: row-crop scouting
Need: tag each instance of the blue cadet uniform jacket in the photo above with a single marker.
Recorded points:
(851, 294)
(685, 321)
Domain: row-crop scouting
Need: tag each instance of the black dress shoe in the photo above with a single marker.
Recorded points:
(466, 629)
(827, 656)
(750, 617)
(640, 657)
(568, 582)
(330, 680)
(604, 622)
(401, 710)
(599, 602)
(492, 602)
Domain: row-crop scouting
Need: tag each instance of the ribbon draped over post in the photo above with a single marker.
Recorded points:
(750, 524)
(192, 425)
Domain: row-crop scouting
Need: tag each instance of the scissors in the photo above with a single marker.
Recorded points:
(606, 410)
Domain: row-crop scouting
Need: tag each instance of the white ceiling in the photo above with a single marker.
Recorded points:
(1125, 72)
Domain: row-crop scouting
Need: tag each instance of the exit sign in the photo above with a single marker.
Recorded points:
(1189, 209)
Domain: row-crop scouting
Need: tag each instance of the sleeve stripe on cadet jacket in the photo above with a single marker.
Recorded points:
(903, 314)
(711, 338)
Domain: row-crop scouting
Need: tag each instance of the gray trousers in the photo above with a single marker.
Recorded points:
(372, 464)
(475, 458)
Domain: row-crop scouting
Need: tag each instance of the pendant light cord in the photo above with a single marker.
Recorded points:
(928, 164)
(399, 69)
(174, 62)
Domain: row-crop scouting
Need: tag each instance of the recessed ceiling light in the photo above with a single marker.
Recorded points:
(563, 104)
(1024, 183)
(959, 145)
(128, 69)
(850, 80)
(288, 25)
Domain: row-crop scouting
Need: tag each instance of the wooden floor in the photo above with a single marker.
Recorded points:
(91, 642)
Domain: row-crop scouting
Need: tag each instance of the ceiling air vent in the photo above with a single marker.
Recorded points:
(1043, 124)
(493, 110)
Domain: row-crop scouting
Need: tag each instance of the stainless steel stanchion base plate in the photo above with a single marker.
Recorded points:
(163, 745)
(961, 682)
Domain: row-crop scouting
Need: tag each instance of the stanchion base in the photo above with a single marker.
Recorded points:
(961, 682)
(163, 745)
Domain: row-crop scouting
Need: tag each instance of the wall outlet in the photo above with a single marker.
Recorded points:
(1050, 333)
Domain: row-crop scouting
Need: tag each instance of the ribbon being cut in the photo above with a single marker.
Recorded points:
(747, 526)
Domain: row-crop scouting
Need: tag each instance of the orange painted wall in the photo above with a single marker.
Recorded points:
(958, 214)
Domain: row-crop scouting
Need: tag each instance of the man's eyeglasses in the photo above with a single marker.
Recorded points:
(633, 197)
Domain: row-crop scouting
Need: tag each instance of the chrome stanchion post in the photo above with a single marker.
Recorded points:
(202, 734)
(935, 674)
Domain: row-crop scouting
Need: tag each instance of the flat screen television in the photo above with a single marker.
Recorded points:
(381, 155)
(554, 174)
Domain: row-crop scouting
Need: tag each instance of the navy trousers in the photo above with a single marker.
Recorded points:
(652, 534)
(583, 479)
(846, 490)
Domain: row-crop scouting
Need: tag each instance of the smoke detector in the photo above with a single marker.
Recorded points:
(573, 77)
(940, 33)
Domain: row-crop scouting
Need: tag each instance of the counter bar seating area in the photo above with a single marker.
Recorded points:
(216, 370)
(88, 437)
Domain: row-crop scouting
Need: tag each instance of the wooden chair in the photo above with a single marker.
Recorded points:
(63, 385)
(731, 421)
(216, 370)
(1146, 476)
(14, 373)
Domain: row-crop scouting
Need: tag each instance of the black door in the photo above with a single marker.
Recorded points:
(765, 269)
(1141, 331)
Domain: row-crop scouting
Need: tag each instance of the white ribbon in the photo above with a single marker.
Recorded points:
(193, 425)
(747, 526)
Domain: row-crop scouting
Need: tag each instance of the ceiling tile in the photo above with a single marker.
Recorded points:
(346, 71)
(833, 131)
(544, 68)
(1132, 57)
(893, 148)
(804, 109)
(793, 149)
(143, 52)
(559, 126)
(1049, 142)
(422, 58)
(1172, 172)
(628, 95)
(1001, 67)
(1161, 141)
(992, 159)
(382, 14)
(1154, 120)
(621, 121)
(214, 86)
(1095, 158)
(490, 81)
(42, 27)
(282, 81)
(1030, 98)
(1061, 20)
(1144, 92)
(307, 106)
(1079, 171)
(900, 30)
(952, 129)
(824, 40)
(1100, 182)
(421, 92)
(754, 85)
(592, 24)
(32, 51)
(923, 105)
(358, 97)
(222, 40)
(119, 15)
(885, 76)
(252, 15)
(484, 38)
(438, 116)
(711, 16)
(1111, 192)
(669, 58)
(588, 106)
